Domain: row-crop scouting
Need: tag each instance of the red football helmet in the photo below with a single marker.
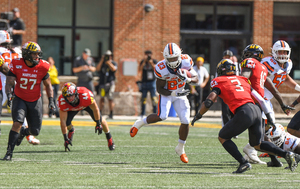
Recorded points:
(70, 89)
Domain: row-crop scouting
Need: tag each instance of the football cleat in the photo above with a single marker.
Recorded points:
(70, 134)
(111, 144)
(243, 167)
(133, 131)
(290, 159)
(180, 151)
(252, 155)
(274, 164)
(32, 140)
(21, 136)
(7, 156)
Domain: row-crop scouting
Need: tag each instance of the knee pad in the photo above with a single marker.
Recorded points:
(69, 127)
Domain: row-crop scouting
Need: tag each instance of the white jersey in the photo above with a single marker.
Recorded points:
(162, 71)
(8, 56)
(290, 142)
(173, 83)
(276, 73)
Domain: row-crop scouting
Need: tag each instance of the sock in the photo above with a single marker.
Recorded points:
(108, 135)
(274, 159)
(12, 139)
(145, 120)
(181, 141)
(232, 149)
(26, 132)
(270, 147)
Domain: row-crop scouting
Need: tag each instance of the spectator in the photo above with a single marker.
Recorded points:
(83, 67)
(55, 83)
(203, 78)
(17, 28)
(148, 81)
(107, 69)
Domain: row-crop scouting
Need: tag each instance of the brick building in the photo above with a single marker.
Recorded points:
(128, 30)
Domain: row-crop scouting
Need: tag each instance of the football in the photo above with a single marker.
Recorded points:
(188, 73)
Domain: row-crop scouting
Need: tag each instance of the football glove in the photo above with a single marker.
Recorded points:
(285, 108)
(183, 76)
(99, 129)
(9, 99)
(51, 106)
(67, 143)
(197, 117)
(181, 93)
(270, 120)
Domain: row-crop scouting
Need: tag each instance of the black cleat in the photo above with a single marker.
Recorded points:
(274, 164)
(111, 144)
(7, 156)
(243, 167)
(21, 136)
(291, 160)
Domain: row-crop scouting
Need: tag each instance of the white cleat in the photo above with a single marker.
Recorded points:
(32, 140)
(179, 149)
(251, 155)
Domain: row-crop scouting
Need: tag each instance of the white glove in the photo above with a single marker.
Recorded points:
(181, 93)
(183, 76)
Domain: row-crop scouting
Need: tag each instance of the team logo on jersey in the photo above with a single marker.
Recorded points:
(213, 83)
(18, 66)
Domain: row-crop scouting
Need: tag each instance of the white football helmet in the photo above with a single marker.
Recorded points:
(172, 55)
(278, 136)
(283, 46)
(4, 37)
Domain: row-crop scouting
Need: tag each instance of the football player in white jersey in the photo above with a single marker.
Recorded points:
(279, 66)
(8, 53)
(171, 77)
(283, 139)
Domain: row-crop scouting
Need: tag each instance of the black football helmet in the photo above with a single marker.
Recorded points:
(31, 47)
(226, 67)
(253, 51)
(70, 89)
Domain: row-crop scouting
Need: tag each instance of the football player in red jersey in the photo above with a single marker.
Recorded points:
(26, 75)
(237, 94)
(70, 102)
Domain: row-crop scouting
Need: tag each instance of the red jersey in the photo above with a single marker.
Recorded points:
(28, 79)
(86, 98)
(259, 74)
(235, 90)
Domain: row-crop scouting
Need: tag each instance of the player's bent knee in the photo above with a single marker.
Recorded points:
(34, 132)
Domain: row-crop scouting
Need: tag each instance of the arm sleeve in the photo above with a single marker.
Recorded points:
(265, 107)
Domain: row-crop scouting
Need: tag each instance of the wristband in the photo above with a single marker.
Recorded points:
(50, 99)
(98, 122)
(188, 80)
(297, 87)
(295, 102)
(65, 137)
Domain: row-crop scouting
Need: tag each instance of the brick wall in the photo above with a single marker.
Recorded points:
(136, 31)
(28, 12)
(263, 25)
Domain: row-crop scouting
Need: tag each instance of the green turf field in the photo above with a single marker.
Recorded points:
(146, 161)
